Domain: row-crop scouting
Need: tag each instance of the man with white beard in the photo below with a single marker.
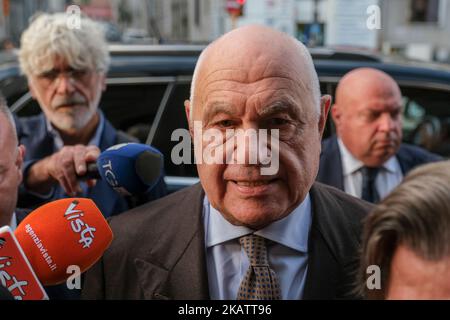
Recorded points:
(66, 72)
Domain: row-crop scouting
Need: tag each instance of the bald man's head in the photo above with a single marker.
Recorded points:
(247, 48)
(362, 82)
(367, 114)
(257, 79)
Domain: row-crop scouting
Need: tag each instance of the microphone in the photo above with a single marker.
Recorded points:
(16, 274)
(59, 234)
(129, 168)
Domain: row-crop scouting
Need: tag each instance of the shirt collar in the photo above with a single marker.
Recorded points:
(291, 231)
(350, 164)
(95, 141)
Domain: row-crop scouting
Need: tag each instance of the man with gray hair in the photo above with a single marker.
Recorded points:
(241, 233)
(66, 70)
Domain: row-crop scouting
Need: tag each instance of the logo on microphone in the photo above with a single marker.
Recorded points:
(79, 226)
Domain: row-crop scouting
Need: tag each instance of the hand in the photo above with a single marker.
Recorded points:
(64, 167)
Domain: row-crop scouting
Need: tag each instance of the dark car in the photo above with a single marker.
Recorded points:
(147, 86)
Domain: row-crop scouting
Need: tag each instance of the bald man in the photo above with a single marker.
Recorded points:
(245, 232)
(367, 158)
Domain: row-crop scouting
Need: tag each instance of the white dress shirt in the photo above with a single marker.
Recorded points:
(389, 176)
(227, 262)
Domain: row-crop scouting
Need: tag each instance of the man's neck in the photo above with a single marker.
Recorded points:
(82, 136)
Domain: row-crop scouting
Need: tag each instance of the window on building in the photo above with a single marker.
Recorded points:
(424, 11)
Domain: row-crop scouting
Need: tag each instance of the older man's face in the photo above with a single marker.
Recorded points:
(369, 118)
(259, 95)
(68, 97)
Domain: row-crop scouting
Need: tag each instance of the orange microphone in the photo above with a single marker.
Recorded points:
(63, 233)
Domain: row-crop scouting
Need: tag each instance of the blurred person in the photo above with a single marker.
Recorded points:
(7, 51)
(367, 158)
(10, 167)
(408, 237)
(66, 72)
(7, 45)
(196, 243)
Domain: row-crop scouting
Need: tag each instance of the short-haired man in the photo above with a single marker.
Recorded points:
(66, 71)
(197, 243)
(406, 242)
(367, 158)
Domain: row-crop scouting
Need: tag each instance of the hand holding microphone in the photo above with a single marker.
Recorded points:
(53, 237)
(63, 167)
(129, 168)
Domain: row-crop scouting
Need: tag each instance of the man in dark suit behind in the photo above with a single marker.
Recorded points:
(196, 244)
(367, 159)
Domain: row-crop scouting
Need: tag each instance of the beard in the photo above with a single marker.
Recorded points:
(72, 118)
(71, 113)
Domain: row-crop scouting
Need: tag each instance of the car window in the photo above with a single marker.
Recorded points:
(173, 118)
(426, 120)
(131, 107)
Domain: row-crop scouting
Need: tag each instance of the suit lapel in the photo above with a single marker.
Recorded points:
(331, 164)
(333, 246)
(176, 266)
(323, 270)
(108, 137)
(102, 194)
(405, 160)
(39, 142)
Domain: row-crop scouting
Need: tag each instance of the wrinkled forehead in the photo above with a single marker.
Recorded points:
(61, 62)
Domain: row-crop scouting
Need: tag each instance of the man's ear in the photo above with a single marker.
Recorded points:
(19, 160)
(325, 103)
(336, 113)
(187, 110)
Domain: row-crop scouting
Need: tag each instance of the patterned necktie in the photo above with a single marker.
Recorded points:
(369, 190)
(260, 282)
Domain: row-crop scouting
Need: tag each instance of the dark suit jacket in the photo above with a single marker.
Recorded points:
(158, 251)
(32, 133)
(5, 294)
(330, 169)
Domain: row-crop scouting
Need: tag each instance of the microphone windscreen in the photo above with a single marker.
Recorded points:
(131, 168)
(63, 233)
